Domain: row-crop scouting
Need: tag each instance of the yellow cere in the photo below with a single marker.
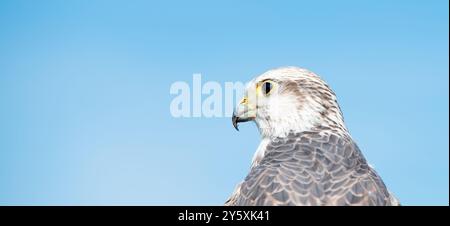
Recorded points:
(244, 100)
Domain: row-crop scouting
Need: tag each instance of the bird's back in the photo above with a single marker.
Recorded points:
(312, 168)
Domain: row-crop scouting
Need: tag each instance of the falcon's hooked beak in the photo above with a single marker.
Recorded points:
(244, 112)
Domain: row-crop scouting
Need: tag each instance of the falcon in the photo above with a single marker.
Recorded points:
(306, 155)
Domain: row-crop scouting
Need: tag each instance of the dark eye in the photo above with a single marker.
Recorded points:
(266, 88)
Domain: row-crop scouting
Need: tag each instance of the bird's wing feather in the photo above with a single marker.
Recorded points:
(311, 169)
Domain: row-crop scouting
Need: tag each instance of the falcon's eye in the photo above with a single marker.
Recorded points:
(266, 87)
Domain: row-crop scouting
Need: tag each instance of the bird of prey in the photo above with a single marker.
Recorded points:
(306, 155)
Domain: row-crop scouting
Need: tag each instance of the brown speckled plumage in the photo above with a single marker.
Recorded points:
(311, 159)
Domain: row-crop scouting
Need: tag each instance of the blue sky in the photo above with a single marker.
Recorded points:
(84, 94)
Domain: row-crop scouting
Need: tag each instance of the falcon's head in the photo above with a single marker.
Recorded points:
(289, 99)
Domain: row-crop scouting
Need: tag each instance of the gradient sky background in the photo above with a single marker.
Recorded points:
(84, 94)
